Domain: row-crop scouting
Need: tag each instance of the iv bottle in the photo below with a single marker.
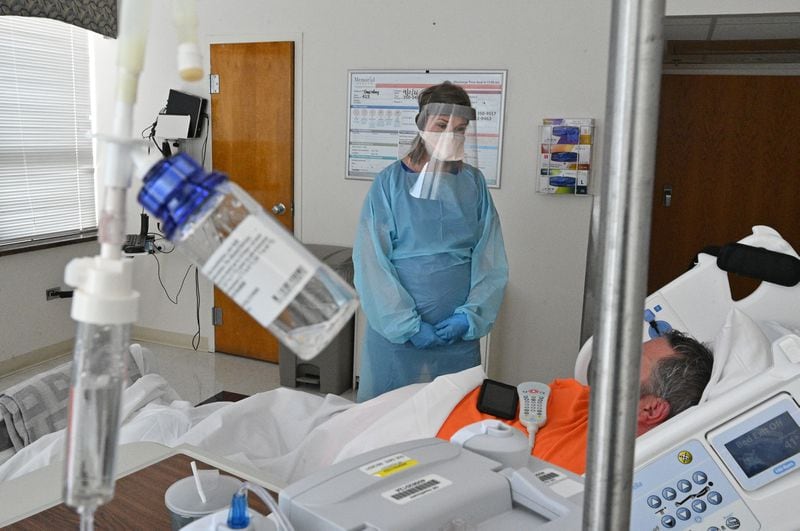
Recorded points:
(249, 255)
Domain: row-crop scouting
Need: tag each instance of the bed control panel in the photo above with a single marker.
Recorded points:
(684, 489)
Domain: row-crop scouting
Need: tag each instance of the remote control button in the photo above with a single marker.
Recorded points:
(654, 501)
(699, 506)
(699, 477)
(714, 497)
(683, 513)
(732, 522)
(669, 493)
(684, 485)
(668, 521)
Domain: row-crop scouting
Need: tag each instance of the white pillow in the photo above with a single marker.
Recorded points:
(741, 350)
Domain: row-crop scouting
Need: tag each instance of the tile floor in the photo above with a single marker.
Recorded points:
(196, 376)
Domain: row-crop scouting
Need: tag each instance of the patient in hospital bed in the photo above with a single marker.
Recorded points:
(291, 434)
(675, 369)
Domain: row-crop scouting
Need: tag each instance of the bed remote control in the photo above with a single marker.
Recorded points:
(533, 398)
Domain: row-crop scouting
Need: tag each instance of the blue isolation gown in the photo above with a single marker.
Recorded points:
(425, 259)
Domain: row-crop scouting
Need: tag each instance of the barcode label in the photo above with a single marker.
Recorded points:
(546, 477)
(414, 490)
(549, 476)
(287, 287)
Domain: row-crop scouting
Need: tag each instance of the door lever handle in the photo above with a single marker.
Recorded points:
(278, 209)
(667, 195)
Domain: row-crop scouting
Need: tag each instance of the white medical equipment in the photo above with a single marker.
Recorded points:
(496, 440)
(533, 397)
(434, 484)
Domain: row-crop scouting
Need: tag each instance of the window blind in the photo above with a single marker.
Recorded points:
(46, 154)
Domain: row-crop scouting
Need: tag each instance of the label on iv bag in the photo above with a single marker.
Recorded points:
(257, 269)
(416, 489)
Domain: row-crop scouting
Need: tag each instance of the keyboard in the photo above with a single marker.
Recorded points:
(134, 243)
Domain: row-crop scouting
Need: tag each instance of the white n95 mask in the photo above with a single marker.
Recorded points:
(447, 146)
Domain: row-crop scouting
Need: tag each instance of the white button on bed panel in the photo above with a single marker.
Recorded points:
(790, 345)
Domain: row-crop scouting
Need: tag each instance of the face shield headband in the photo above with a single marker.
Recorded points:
(449, 109)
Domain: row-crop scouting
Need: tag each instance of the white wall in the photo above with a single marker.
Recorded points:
(556, 57)
(27, 321)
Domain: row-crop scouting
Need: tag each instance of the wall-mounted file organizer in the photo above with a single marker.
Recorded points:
(565, 155)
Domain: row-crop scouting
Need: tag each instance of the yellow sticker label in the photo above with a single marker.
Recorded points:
(389, 465)
(397, 468)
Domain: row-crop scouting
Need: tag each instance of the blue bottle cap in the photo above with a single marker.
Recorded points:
(238, 518)
(174, 189)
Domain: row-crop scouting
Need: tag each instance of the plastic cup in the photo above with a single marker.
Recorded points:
(184, 503)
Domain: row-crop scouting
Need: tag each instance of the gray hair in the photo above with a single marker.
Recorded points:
(681, 379)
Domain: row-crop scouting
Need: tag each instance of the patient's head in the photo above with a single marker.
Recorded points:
(675, 370)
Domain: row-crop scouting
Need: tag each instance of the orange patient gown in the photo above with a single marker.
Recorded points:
(561, 441)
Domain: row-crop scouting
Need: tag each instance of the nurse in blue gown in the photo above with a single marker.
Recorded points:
(430, 263)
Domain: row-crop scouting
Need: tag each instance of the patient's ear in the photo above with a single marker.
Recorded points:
(652, 412)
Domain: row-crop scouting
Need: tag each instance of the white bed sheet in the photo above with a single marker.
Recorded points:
(285, 432)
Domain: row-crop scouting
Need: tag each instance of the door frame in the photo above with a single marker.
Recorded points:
(206, 40)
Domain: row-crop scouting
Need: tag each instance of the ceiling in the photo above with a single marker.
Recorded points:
(732, 27)
(732, 40)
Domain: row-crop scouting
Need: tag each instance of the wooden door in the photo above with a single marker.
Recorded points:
(728, 149)
(252, 123)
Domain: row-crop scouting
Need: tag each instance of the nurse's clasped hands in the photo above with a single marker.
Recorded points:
(453, 328)
(426, 337)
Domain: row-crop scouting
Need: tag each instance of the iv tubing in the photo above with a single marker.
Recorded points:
(269, 501)
(131, 41)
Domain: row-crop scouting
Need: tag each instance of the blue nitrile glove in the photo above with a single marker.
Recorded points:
(453, 328)
(426, 337)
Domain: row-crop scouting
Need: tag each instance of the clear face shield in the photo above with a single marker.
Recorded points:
(447, 138)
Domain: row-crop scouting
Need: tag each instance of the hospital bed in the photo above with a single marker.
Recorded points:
(335, 431)
(727, 463)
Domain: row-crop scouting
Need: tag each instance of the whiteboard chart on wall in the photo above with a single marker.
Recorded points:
(382, 105)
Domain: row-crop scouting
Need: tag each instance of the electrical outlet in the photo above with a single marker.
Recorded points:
(52, 293)
(57, 293)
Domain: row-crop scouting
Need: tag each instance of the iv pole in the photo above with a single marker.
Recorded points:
(634, 82)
